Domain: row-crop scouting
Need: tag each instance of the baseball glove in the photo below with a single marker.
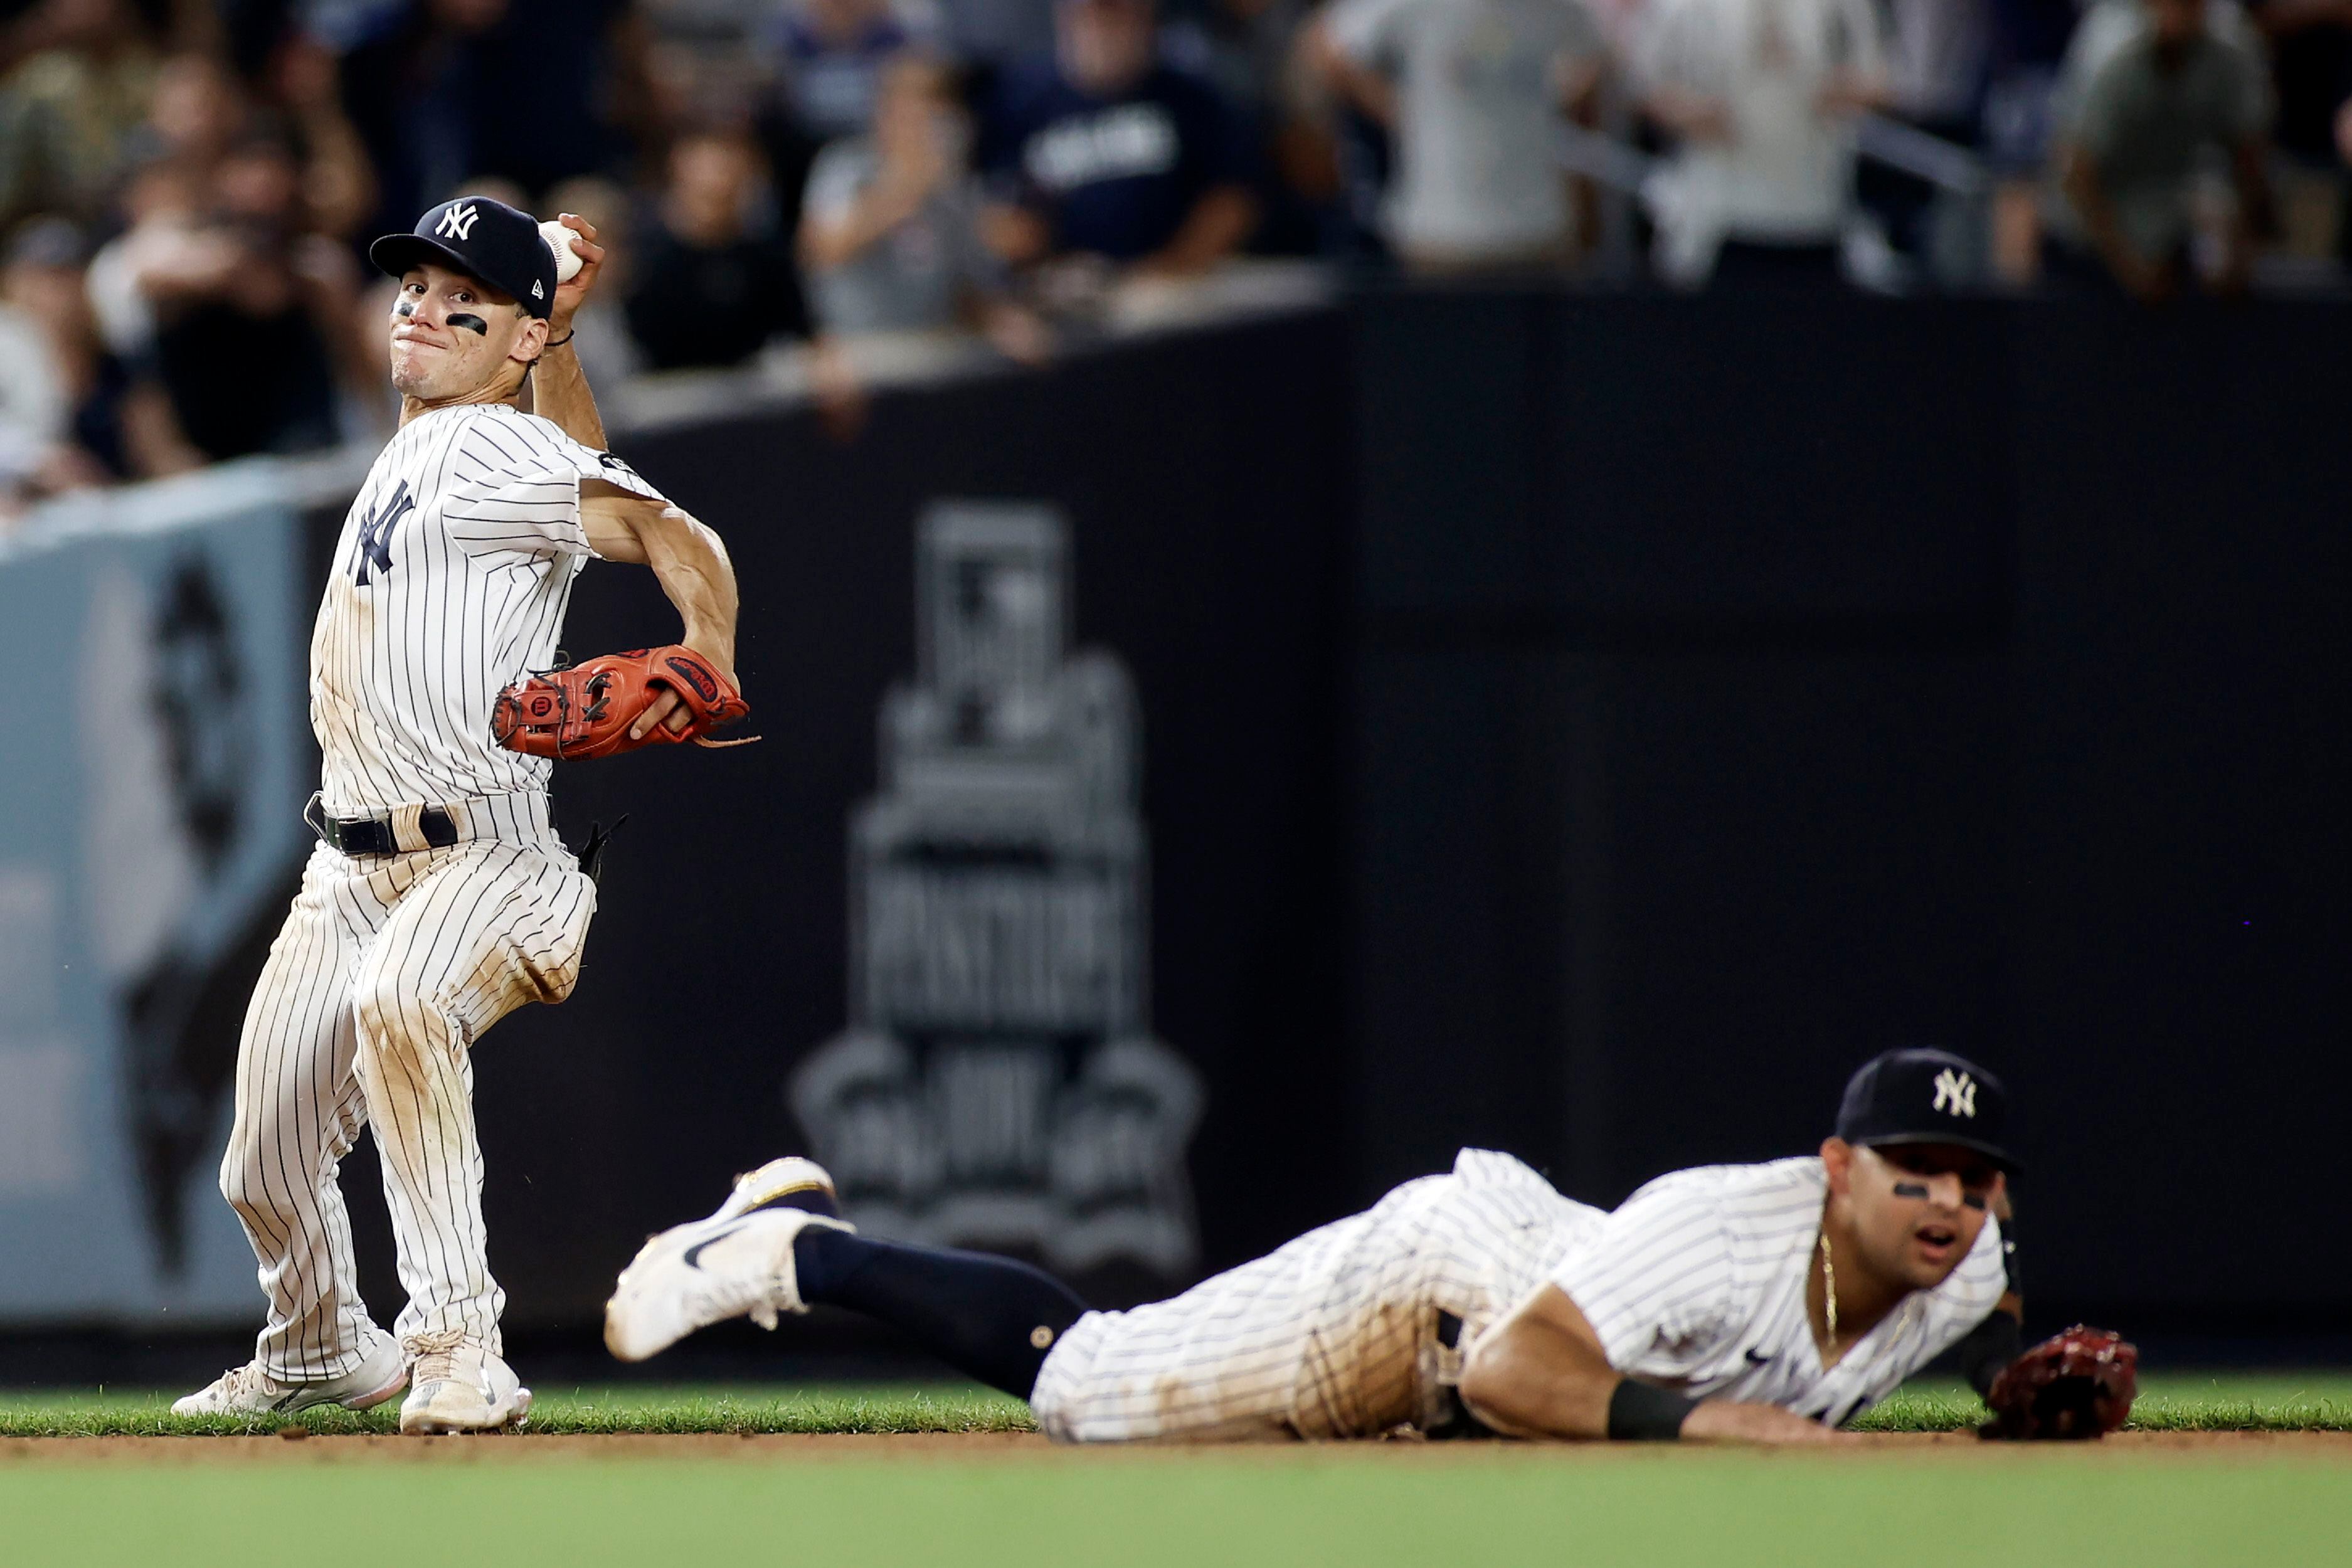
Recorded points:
(586, 710)
(2080, 1383)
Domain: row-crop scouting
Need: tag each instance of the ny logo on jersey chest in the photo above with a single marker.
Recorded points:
(375, 531)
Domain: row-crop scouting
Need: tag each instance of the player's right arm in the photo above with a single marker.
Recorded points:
(1541, 1372)
(688, 559)
(559, 386)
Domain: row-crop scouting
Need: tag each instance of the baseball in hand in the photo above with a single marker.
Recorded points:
(559, 240)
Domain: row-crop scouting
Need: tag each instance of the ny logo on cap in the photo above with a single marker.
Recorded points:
(457, 223)
(1956, 1092)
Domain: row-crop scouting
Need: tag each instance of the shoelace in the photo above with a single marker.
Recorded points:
(239, 1383)
(433, 1356)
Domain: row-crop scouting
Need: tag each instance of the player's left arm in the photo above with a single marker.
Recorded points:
(1999, 1338)
(690, 562)
(1541, 1372)
(559, 386)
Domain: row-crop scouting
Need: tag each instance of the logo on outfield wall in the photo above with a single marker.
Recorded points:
(999, 1084)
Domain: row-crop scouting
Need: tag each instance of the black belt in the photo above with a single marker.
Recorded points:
(373, 835)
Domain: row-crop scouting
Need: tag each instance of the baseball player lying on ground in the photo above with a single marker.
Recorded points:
(1765, 1303)
(439, 896)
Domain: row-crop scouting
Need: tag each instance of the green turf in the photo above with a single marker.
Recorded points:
(2169, 1402)
(1357, 1506)
(641, 1408)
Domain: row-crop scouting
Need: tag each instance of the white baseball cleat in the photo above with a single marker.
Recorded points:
(735, 1263)
(460, 1384)
(248, 1391)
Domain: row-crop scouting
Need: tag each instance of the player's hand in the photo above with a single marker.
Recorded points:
(1734, 1421)
(665, 710)
(569, 297)
(669, 711)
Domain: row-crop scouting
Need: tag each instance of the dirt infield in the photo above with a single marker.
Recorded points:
(1017, 1446)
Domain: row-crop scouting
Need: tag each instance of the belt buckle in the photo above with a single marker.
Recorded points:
(315, 817)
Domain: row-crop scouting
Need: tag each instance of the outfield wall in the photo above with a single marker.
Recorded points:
(1579, 726)
(1738, 689)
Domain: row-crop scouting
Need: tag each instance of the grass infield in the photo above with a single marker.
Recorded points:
(2177, 1402)
(652, 1410)
(570, 1499)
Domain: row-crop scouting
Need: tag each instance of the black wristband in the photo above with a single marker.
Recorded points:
(1988, 1347)
(1640, 1412)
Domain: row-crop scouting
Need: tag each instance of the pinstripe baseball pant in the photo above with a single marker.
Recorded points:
(1333, 1335)
(386, 972)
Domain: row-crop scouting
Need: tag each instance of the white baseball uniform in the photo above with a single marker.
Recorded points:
(450, 580)
(1696, 1284)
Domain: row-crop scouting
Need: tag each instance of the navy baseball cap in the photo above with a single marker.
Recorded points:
(1921, 1095)
(482, 238)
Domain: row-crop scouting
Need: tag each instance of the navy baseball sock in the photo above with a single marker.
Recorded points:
(990, 1317)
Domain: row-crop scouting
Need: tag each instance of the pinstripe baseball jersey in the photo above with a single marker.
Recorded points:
(449, 581)
(1334, 1335)
(1698, 1283)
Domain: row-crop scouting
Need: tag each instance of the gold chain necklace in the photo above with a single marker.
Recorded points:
(1829, 1290)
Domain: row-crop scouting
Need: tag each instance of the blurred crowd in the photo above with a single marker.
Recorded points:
(186, 185)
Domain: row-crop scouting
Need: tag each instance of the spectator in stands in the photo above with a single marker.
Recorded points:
(113, 423)
(2140, 106)
(825, 58)
(77, 91)
(1938, 53)
(163, 207)
(1249, 50)
(1761, 96)
(992, 34)
(197, 110)
(1471, 92)
(830, 55)
(2310, 47)
(33, 409)
(713, 284)
(339, 186)
(1104, 152)
(1242, 48)
(890, 238)
(606, 351)
(246, 288)
(535, 90)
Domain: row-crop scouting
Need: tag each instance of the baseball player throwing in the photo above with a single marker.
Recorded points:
(1765, 1303)
(439, 897)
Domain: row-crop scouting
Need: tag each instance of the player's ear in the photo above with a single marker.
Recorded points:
(1837, 1159)
(531, 341)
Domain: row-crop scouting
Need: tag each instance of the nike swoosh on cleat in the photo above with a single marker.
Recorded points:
(695, 1251)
